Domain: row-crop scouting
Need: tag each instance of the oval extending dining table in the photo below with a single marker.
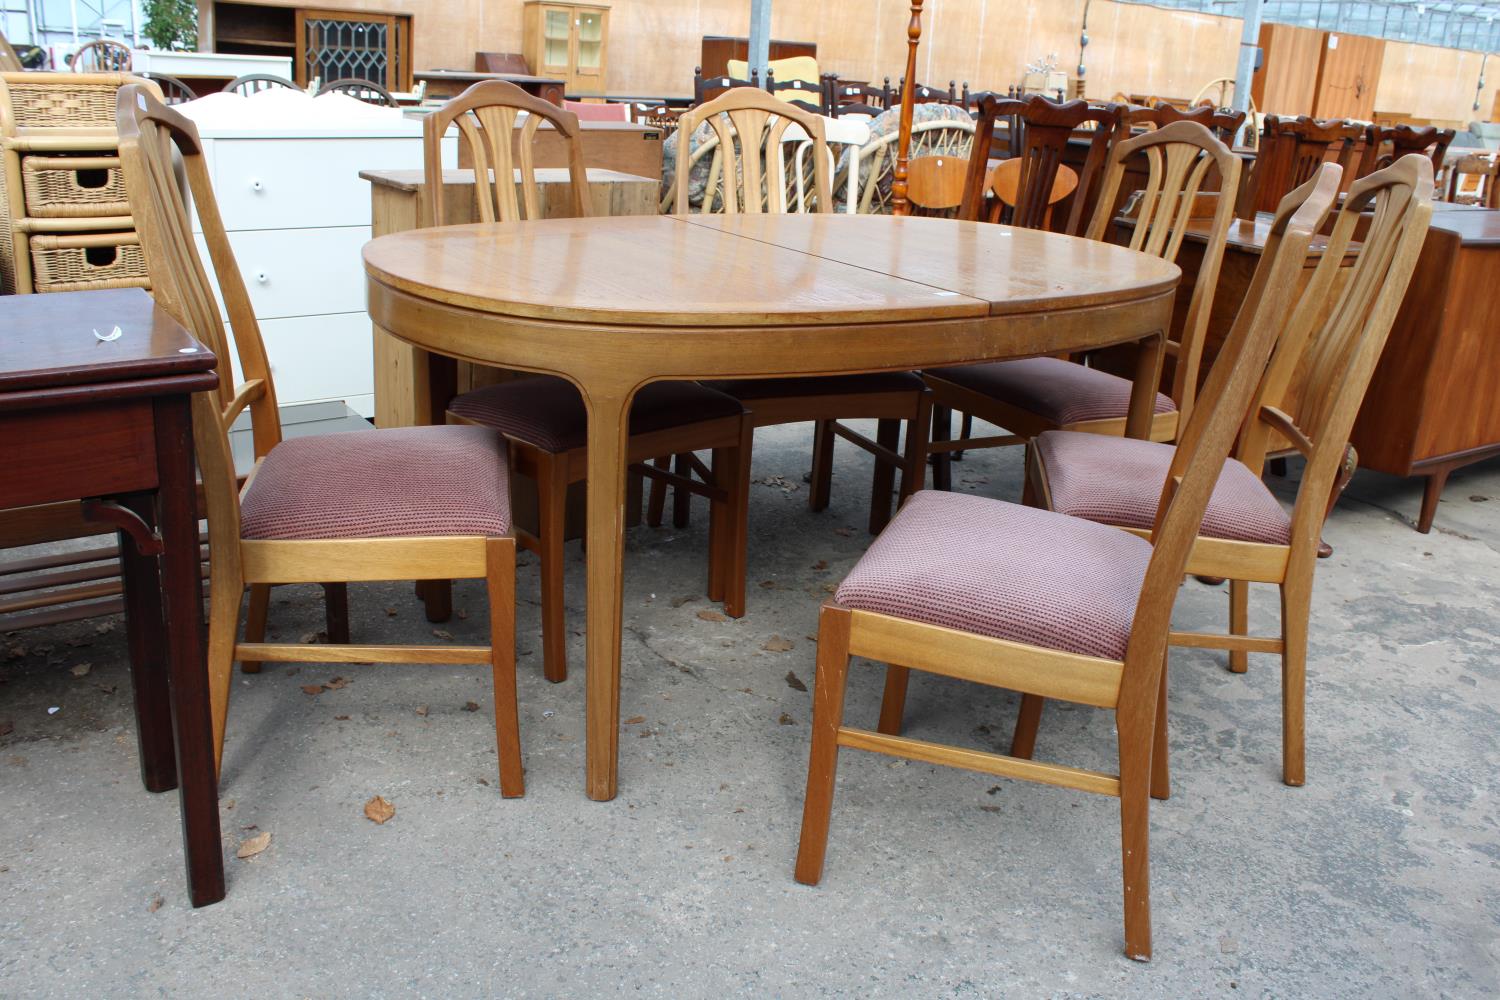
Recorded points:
(612, 304)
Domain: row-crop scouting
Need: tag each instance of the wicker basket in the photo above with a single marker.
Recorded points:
(62, 102)
(94, 260)
(73, 187)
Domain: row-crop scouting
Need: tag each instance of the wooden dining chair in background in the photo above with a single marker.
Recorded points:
(254, 83)
(1307, 399)
(1291, 151)
(1033, 395)
(935, 184)
(543, 416)
(1385, 144)
(1004, 184)
(367, 91)
(749, 126)
(361, 506)
(102, 55)
(1475, 180)
(1224, 123)
(1051, 606)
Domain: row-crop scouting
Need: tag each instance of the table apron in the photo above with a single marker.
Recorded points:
(625, 357)
(72, 452)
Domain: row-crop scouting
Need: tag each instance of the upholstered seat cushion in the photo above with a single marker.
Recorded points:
(1118, 481)
(832, 385)
(381, 484)
(1009, 572)
(1059, 391)
(547, 412)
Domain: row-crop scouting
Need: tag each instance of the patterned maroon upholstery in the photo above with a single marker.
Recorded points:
(1058, 391)
(1005, 571)
(1118, 481)
(832, 385)
(547, 412)
(381, 484)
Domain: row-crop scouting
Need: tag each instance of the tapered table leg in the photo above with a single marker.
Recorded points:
(145, 637)
(1148, 365)
(182, 591)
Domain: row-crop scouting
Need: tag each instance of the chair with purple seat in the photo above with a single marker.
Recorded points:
(1307, 402)
(360, 506)
(1033, 395)
(1054, 607)
(544, 417)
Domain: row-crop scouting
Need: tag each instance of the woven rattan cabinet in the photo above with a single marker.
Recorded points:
(64, 219)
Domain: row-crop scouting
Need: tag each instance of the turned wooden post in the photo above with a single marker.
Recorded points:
(899, 203)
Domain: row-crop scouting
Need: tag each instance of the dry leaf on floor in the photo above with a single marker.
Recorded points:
(709, 615)
(336, 683)
(776, 644)
(794, 682)
(462, 614)
(830, 588)
(378, 810)
(313, 689)
(341, 718)
(786, 720)
(82, 669)
(471, 706)
(678, 602)
(635, 720)
(313, 638)
(821, 564)
(390, 612)
(104, 628)
(155, 903)
(422, 711)
(442, 633)
(843, 532)
(767, 584)
(250, 848)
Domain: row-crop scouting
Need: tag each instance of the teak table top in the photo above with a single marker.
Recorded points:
(615, 303)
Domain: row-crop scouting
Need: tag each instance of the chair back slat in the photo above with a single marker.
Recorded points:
(1385, 144)
(1223, 122)
(1211, 431)
(1180, 158)
(750, 125)
(486, 116)
(1039, 133)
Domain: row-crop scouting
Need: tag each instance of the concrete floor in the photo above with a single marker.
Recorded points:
(1379, 878)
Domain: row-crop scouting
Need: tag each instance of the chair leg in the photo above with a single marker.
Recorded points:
(552, 509)
(336, 612)
(1028, 721)
(823, 758)
(255, 621)
(1135, 834)
(942, 430)
(1430, 497)
(1239, 622)
(736, 540)
(223, 623)
(1161, 775)
(719, 524)
(682, 500)
(500, 583)
(656, 504)
(883, 483)
(1296, 597)
(893, 701)
(965, 432)
(1028, 484)
(821, 487)
(914, 469)
(437, 596)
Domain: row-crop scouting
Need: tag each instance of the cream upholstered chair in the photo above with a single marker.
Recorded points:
(543, 417)
(1307, 401)
(367, 505)
(1033, 395)
(750, 125)
(1052, 606)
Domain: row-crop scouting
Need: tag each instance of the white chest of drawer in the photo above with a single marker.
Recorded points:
(297, 214)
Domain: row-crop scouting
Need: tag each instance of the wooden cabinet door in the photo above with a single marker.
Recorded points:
(555, 26)
(591, 34)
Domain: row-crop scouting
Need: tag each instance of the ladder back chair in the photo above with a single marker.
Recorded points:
(1033, 395)
(1385, 144)
(367, 91)
(174, 91)
(359, 506)
(102, 55)
(1045, 128)
(1051, 606)
(758, 122)
(253, 83)
(1291, 151)
(543, 416)
(1308, 397)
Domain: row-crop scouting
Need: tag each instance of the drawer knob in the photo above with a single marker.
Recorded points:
(262, 277)
(256, 185)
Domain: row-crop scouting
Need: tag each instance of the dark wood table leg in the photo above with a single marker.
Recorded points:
(182, 590)
(145, 635)
(432, 408)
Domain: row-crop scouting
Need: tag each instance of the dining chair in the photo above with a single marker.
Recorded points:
(1385, 144)
(1004, 184)
(1307, 400)
(542, 416)
(1475, 180)
(750, 125)
(1045, 129)
(1051, 606)
(174, 91)
(103, 55)
(935, 184)
(357, 506)
(360, 89)
(1033, 395)
(1291, 150)
(1222, 122)
(253, 83)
